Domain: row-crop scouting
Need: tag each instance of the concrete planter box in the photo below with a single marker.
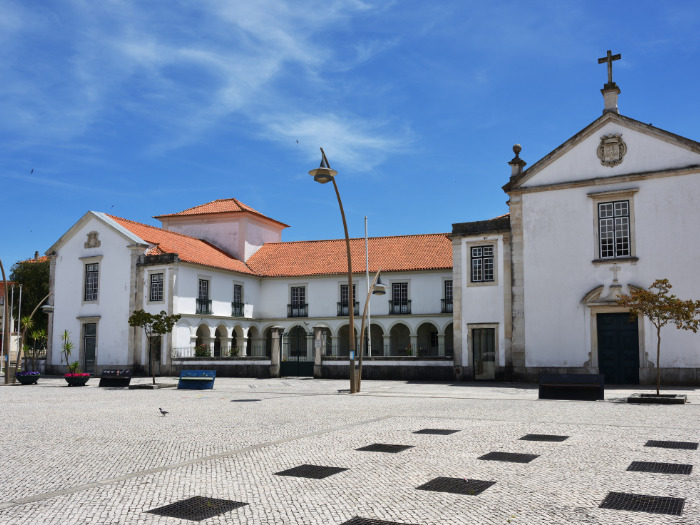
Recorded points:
(661, 399)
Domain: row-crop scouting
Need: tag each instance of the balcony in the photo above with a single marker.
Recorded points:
(343, 308)
(446, 306)
(203, 306)
(297, 310)
(400, 307)
(237, 309)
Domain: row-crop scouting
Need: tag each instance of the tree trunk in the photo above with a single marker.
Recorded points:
(658, 359)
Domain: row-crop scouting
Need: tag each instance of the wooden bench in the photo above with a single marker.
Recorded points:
(579, 387)
(115, 377)
(196, 379)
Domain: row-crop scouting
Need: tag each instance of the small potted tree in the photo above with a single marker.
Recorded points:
(74, 377)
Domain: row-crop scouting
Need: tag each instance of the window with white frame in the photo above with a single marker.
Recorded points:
(203, 292)
(156, 292)
(482, 264)
(614, 229)
(447, 300)
(400, 303)
(92, 272)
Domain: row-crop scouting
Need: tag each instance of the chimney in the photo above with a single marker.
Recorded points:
(517, 164)
(36, 256)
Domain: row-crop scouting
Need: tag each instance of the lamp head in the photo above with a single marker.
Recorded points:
(379, 288)
(323, 173)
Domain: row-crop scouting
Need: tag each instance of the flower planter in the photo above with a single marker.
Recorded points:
(27, 379)
(77, 381)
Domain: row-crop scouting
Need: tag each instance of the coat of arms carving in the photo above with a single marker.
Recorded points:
(92, 240)
(611, 150)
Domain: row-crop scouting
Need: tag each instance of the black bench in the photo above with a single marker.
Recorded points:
(579, 387)
(115, 377)
(197, 379)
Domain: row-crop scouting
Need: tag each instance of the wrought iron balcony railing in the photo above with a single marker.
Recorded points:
(446, 306)
(400, 307)
(343, 308)
(297, 310)
(203, 306)
(237, 309)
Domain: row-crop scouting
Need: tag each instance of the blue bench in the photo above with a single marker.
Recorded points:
(196, 379)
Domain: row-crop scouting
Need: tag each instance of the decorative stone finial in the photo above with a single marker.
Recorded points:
(610, 90)
(517, 164)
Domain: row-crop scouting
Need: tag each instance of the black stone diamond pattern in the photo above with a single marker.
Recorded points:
(382, 447)
(436, 431)
(660, 468)
(685, 445)
(197, 508)
(642, 503)
(311, 471)
(544, 437)
(470, 487)
(511, 457)
(368, 521)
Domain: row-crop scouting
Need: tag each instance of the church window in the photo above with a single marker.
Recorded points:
(156, 287)
(614, 229)
(482, 258)
(92, 272)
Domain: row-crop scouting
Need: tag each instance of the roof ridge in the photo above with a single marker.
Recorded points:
(154, 227)
(362, 238)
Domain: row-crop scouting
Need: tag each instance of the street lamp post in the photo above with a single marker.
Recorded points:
(322, 175)
(377, 288)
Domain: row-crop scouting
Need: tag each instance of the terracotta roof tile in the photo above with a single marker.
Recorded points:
(188, 249)
(218, 206)
(391, 254)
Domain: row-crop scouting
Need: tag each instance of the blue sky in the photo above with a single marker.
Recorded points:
(146, 108)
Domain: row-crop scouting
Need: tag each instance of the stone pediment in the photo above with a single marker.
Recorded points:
(606, 295)
(613, 145)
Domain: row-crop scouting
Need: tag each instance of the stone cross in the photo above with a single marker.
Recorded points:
(609, 59)
(615, 268)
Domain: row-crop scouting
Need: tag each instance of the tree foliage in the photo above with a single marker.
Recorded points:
(662, 308)
(34, 278)
(153, 324)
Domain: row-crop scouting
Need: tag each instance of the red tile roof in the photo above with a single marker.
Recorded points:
(391, 254)
(189, 249)
(218, 206)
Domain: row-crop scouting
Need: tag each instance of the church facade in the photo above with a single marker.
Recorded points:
(614, 207)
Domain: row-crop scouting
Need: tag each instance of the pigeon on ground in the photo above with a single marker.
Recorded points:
(163, 411)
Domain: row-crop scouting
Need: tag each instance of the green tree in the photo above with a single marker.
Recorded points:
(34, 277)
(661, 308)
(153, 324)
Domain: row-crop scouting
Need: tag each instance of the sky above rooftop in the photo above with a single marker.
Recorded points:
(139, 109)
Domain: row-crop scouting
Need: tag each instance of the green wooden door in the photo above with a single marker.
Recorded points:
(618, 349)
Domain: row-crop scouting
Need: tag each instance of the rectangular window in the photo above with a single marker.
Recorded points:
(203, 293)
(344, 305)
(400, 303)
(92, 272)
(298, 307)
(448, 291)
(482, 264)
(614, 229)
(156, 287)
(237, 293)
(447, 301)
(298, 296)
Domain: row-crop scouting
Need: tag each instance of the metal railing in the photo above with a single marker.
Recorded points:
(237, 309)
(203, 306)
(254, 350)
(343, 308)
(446, 306)
(297, 310)
(400, 307)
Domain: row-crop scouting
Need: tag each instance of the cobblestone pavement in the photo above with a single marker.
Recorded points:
(107, 456)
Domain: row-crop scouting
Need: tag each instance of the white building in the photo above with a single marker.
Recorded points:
(614, 207)
(240, 291)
